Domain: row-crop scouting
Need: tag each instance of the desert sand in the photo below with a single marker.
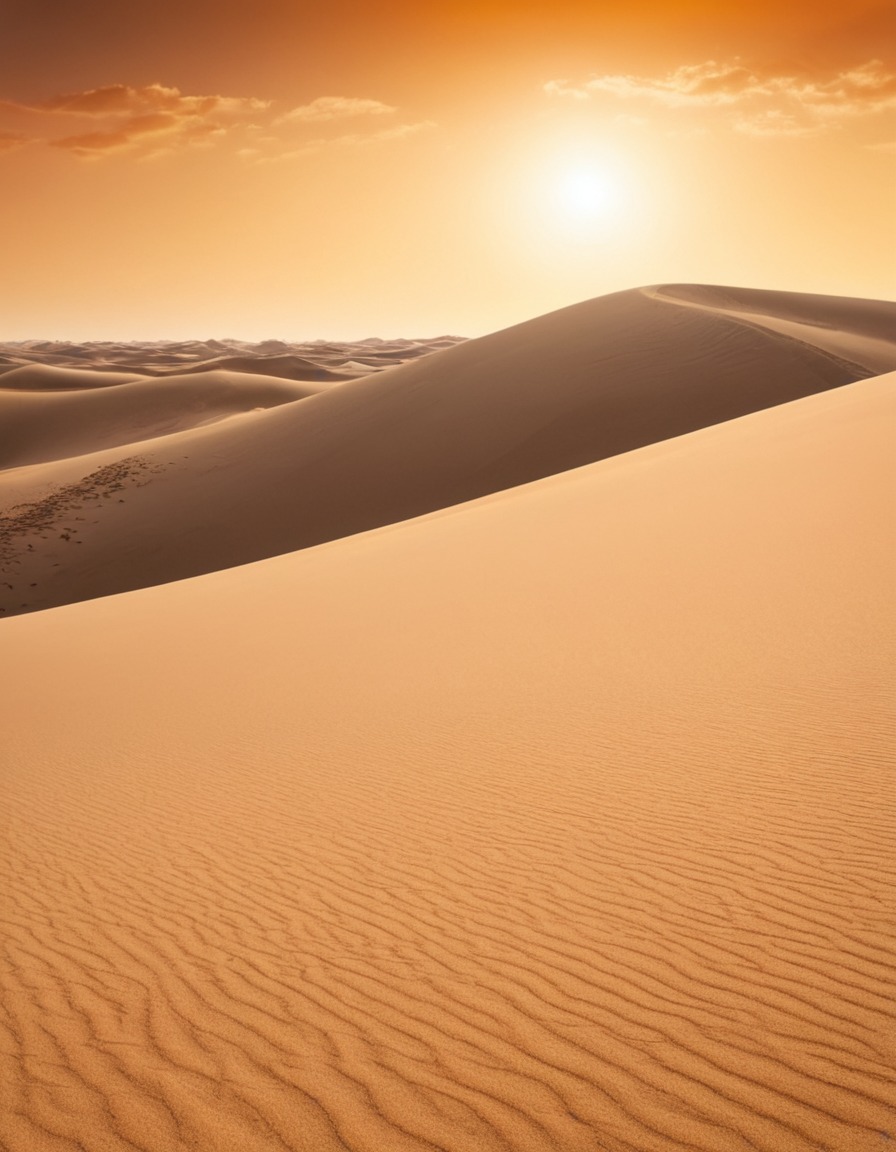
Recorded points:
(89, 507)
(560, 816)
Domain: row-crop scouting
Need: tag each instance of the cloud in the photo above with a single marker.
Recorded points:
(12, 140)
(154, 119)
(566, 91)
(122, 99)
(348, 140)
(764, 102)
(136, 130)
(121, 118)
(89, 143)
(866, 89)
(774, 122)
(335, 108)
(708, 83)
(399, 132)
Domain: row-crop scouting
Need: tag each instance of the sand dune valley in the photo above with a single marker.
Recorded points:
(454, 745)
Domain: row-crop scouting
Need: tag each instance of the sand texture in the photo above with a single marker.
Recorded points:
(23, 361)
(559, 820)
(98, 498)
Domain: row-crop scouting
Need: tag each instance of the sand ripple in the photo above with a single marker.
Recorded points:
(560, 822)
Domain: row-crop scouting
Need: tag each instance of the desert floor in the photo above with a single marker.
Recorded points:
(489, 746)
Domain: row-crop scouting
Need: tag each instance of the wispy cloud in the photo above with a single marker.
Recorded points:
(566, 90)
(122, 118)
(12, 140)
(347, 140)
(694, 84)
(154, 119)
(335, 108)
(122, 99)
(760, 101)
(139, 130)
(774, 122)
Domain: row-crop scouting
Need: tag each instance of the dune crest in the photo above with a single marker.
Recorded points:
(859, 331)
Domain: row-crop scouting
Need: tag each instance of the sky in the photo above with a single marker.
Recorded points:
(221, 168)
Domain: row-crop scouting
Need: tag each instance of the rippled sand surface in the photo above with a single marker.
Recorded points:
(560, 820)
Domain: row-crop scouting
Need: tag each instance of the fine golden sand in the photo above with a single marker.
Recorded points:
(560, 820)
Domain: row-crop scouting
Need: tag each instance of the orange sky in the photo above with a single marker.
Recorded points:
(301, 170)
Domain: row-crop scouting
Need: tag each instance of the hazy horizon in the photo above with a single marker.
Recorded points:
(387, 336)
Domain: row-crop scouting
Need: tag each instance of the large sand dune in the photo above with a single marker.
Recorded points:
(561, 821)
(580, 385)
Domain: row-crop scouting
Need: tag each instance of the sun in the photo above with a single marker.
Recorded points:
(585, 193)
(564, 199)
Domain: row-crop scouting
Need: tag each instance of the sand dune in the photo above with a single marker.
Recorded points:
(49, 378)
(289, 367)
(588, 382)
(167, 357)
(39, 426)
(557, 821)
(861, 331)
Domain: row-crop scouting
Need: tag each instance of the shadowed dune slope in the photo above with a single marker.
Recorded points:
(39, 426)
(49, 378)
(287, 367)
(582, 384)
(560, 821)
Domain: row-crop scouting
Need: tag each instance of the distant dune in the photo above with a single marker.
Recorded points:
(176, 357)
(39, 426)
(109, 505)
(288, 367)
(563, 820)
(50, 378)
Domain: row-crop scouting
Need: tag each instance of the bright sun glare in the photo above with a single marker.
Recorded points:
(574, 198)
(586, 193)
